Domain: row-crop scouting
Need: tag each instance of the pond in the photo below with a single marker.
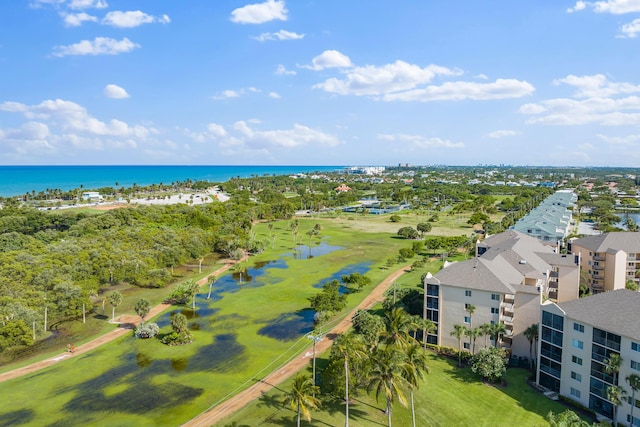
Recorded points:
(623, 217)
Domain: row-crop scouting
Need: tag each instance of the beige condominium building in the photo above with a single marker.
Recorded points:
(576, 340)
(506, 282)
(609, 260)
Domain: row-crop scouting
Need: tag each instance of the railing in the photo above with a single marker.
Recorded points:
(509, 298)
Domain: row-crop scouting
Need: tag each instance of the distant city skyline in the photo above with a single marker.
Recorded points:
(276, 82)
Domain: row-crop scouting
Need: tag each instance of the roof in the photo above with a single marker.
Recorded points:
(510, 257)
(620, 240)
(614, 311)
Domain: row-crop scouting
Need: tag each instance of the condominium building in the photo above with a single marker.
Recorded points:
(506, 281)
(576, 340)
(551, 220)
(609, 259)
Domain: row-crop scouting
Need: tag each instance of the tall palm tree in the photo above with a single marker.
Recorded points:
(386, 376)
(458, 332)
(349, 346)
(301, 398)
(531, 333)
(485, 330)
(413, 373)
(473, 334)
(612, 366)
(470, 308)
(428, 327)
(497, 332)
(398, 324)
(634, 382)
(615, 395)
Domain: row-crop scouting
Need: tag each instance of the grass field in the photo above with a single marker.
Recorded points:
(239, 333)
(448, 397)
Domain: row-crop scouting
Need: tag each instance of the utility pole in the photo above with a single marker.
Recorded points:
(316, 337)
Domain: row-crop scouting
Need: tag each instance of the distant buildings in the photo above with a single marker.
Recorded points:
(505, 283)
(365, 170)
(609, 259)
(549, 221)
(576, 340)
(92, 196)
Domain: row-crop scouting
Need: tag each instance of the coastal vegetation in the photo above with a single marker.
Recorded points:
(313, 257)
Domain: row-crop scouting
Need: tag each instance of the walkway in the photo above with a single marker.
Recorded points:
(245, 397)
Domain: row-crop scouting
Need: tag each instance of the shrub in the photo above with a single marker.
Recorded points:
(490, 364)
(175, 338)
(147, 330)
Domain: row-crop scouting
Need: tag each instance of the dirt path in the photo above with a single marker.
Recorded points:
(126, 323)
(245, 397)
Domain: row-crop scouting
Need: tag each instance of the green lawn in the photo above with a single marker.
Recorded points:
(448, 397)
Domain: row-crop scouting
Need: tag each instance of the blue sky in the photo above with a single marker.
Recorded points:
(324, 82)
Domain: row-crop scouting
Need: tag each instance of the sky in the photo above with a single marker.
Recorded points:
(320, 82)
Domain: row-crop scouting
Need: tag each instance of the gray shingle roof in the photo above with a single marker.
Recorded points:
(620, 240)
(615, 311)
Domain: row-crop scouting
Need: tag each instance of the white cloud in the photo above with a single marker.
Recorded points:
(604, 111)
(580, 5)
(282, 71)
(87, 4)
(630, 140)
(98, 46)
(371, 80)
(77, 19)
(229, 93)
(40, 3)
(596, 86)
(419, 141)
(280, 35)
(274, 95)
(115, 92)
(502, 133)
(131, 19)
(616, 7)
(596, 104)
(259, 13)
(244, 137)
(461, 90)
(329, 59)
(630, 30)
(54, 126)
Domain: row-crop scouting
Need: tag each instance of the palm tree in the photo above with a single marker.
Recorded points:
(531, 333)
(485, 330)
(301, 398)
(634, 382)
(470, 308)
(415, 368)
(386, 376)
(398, 324)
(612, 366)
(472, 333)
(115, 299)
(428, 327)
(458, 332)
(142, 308)
(349, 346)
(497, 332)
(615, 395)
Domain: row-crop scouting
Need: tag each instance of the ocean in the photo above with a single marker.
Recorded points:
(18, 180)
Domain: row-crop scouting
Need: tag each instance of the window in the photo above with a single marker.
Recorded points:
(467, 319)
(466, 346)
(467, 293)
(577, 344)
(635, 365)
(575, 392)
(635, 346)
(495, 310)
(576, 376)
(577, 360)
(578, 327)
(495, 297)
(466, 306)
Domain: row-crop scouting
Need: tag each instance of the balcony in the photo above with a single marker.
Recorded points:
(507, 320)
(598, 258)
(597, 267)
(509, 298)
